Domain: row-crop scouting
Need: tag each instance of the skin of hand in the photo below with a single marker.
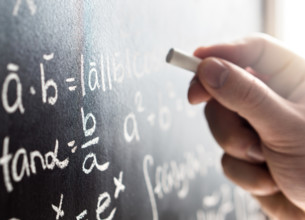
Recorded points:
(255, 94)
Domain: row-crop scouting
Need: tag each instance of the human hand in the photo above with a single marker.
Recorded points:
(255, 93)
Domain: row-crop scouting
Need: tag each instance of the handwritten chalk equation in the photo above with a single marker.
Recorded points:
(103, 203)
(106, 74)
(50, 160)
(162, 117)
(16, 105)
(176, 177)
(102, 73)
(28, 161)
(173, 176)
(88, 132)
(227, 200)
(105, 71)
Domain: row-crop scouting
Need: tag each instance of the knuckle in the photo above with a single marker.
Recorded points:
(209, 60)
(253, 96)
(258, 187)
(204, 63)
(226, 143)
(261, 187)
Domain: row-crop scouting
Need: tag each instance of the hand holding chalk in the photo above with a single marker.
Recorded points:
(256, 122)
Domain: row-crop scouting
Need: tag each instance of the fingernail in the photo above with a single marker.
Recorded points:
(255, 153)
(215, 73)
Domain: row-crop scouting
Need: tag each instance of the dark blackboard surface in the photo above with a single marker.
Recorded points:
(95, 125)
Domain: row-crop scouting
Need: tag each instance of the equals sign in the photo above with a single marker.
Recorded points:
(70, 80)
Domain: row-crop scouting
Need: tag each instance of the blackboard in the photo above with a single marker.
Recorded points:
(95, 124)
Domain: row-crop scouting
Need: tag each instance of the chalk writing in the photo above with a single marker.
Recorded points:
(47, 84)
(13, 76)
(30, 4)
(91, 156)
(72, 145)
(32, 90)
(82, 215)
(134, 134)
(119, 186)
(99, 75)
(93, 78)
(71, 80)
(104, 201)
(58, 210)
(171, 176)
(138, 101)
(48, 161)
(219, 205)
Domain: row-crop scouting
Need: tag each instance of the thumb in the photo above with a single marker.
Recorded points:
(241, 92)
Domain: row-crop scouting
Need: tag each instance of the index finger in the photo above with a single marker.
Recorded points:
(283, 69)
(260, 51)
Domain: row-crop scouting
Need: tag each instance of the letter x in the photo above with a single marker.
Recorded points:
(59, 212)
(119, 186)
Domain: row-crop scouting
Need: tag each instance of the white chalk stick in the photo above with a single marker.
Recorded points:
(180, 59)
